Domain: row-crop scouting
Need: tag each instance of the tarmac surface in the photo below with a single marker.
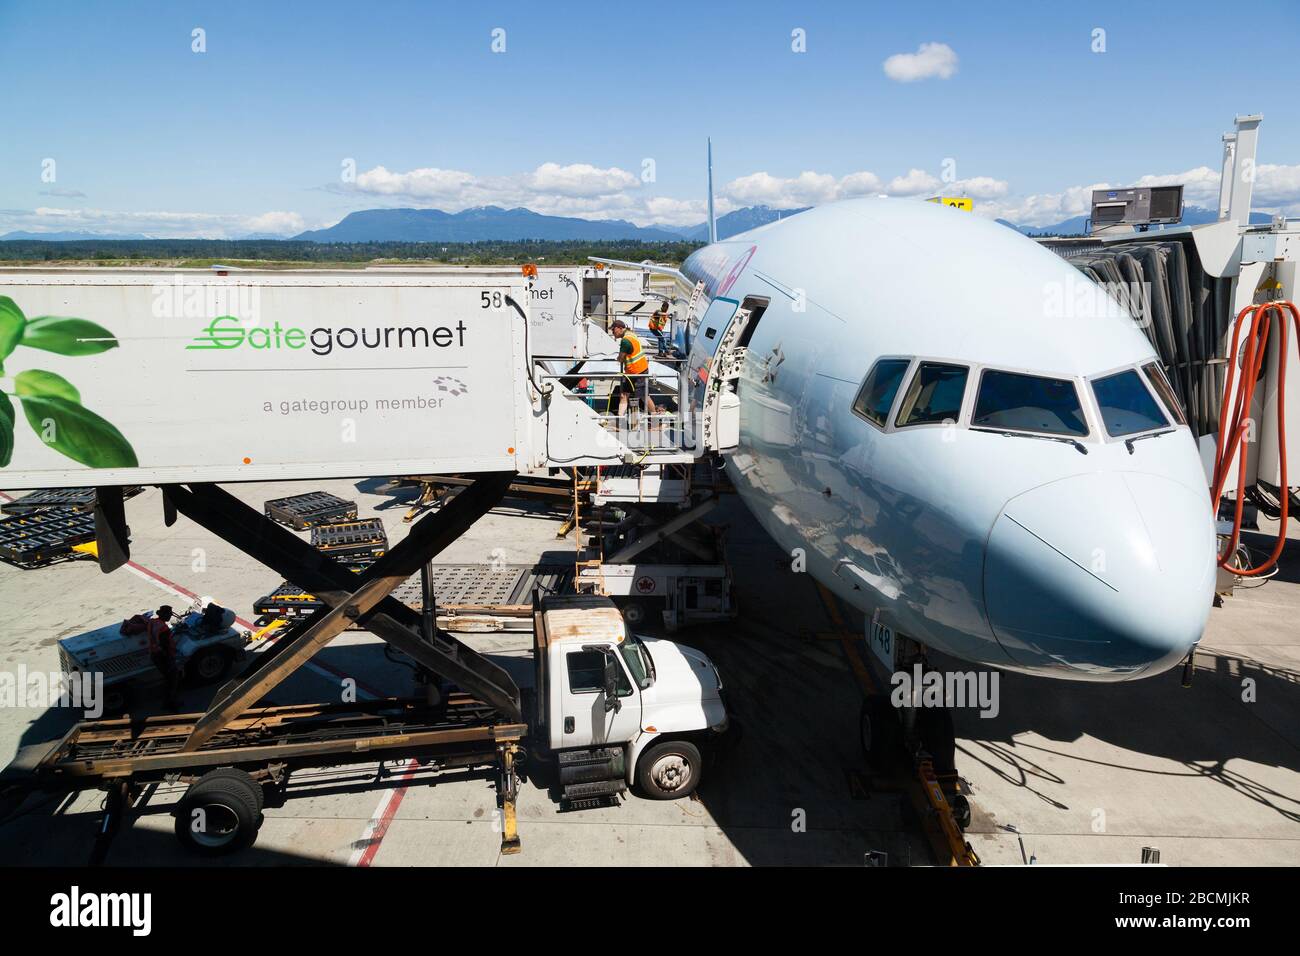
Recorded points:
(1088, 774)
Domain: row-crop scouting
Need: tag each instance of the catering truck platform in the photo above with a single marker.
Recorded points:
(187, 379)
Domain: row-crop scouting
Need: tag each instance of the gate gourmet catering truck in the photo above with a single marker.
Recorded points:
(116, 378)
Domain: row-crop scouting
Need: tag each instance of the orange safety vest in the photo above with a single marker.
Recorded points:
(659, 321)
(635, 363)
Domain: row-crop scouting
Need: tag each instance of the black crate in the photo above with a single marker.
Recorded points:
(288, 600)
(351, 541)
(30, 540)
(68, 499)
(302, 512)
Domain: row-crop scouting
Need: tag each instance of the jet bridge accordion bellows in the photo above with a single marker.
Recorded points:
(1182, 310)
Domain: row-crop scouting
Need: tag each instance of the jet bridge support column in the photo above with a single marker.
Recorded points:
(350, 597)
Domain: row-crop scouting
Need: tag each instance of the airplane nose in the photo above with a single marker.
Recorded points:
(1105, 576)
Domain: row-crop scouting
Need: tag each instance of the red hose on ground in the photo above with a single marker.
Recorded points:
(1232, 431)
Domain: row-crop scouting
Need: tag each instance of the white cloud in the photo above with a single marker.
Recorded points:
(860, 184)
(428, 183)
(763, 189)
(916, 181)
(1277, 190)
(811, 188)
(579, 189)
(580, 179)
(276, 223)
(178, 225)
(929, 60)
(980, 187)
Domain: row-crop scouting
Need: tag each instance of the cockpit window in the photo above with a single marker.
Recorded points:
(1028, 403)
(876, 397)
(1127, 407)
(935, 394)
(1156, 376)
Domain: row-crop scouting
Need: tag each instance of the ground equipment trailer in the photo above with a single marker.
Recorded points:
(611, 710)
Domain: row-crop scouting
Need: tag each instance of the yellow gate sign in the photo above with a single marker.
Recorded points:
(954, 202)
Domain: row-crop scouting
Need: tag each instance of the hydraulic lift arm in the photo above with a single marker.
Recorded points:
(349, 596)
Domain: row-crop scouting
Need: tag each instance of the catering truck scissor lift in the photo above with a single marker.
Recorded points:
(264, 373)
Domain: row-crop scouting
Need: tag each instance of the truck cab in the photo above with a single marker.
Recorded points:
(620, 710)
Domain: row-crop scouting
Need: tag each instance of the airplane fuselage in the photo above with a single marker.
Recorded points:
(956, 510)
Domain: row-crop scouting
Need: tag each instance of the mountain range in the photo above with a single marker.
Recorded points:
(493, 223)
(477, 224)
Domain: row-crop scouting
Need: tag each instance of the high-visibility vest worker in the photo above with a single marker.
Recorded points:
(630, 352)
(659, 321)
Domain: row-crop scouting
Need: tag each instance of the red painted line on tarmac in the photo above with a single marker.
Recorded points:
(385, 817)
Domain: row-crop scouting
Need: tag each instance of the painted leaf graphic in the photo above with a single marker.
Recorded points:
(12, 323)
(6, 430)
(77, 432)
(42, 384)
(66, 336)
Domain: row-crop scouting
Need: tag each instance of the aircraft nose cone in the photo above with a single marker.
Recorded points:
(1103, 576)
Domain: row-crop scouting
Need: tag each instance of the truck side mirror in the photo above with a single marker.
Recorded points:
(611, 684)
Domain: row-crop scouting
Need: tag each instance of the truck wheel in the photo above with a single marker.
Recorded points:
(881, 733)
(255, 790)
(217, 815)
(670, 770)
(209, 665)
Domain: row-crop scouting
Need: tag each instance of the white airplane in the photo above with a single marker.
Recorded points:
(961, 445)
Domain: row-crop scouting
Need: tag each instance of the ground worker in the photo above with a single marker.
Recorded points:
(633, 361)
(659, 326)
(162, 651)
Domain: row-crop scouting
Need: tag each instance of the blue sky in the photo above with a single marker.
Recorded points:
(148, 136)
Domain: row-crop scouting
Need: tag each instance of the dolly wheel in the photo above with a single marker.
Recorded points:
(209, 665)
(217, 815)
(960, 811)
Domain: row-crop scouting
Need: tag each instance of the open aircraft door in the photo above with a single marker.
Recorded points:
(717, 356)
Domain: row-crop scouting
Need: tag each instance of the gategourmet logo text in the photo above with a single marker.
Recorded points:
(228, 332)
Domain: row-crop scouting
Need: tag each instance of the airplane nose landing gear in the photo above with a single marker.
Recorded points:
(923, 739)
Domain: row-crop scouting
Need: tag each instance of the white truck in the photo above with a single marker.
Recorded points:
(618, 710)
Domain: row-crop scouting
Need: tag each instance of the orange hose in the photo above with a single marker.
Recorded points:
(1232, 430)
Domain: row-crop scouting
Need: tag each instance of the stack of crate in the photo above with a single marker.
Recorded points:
(335, 530)
(53, 524)
(334, 526)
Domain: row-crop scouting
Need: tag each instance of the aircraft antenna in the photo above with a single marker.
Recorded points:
(713, 223)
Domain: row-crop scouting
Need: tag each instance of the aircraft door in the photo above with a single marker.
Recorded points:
(714, 369)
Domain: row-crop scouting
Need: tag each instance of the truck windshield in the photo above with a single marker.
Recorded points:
(638, 661)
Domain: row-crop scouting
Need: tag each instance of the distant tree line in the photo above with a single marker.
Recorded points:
(290, 250)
